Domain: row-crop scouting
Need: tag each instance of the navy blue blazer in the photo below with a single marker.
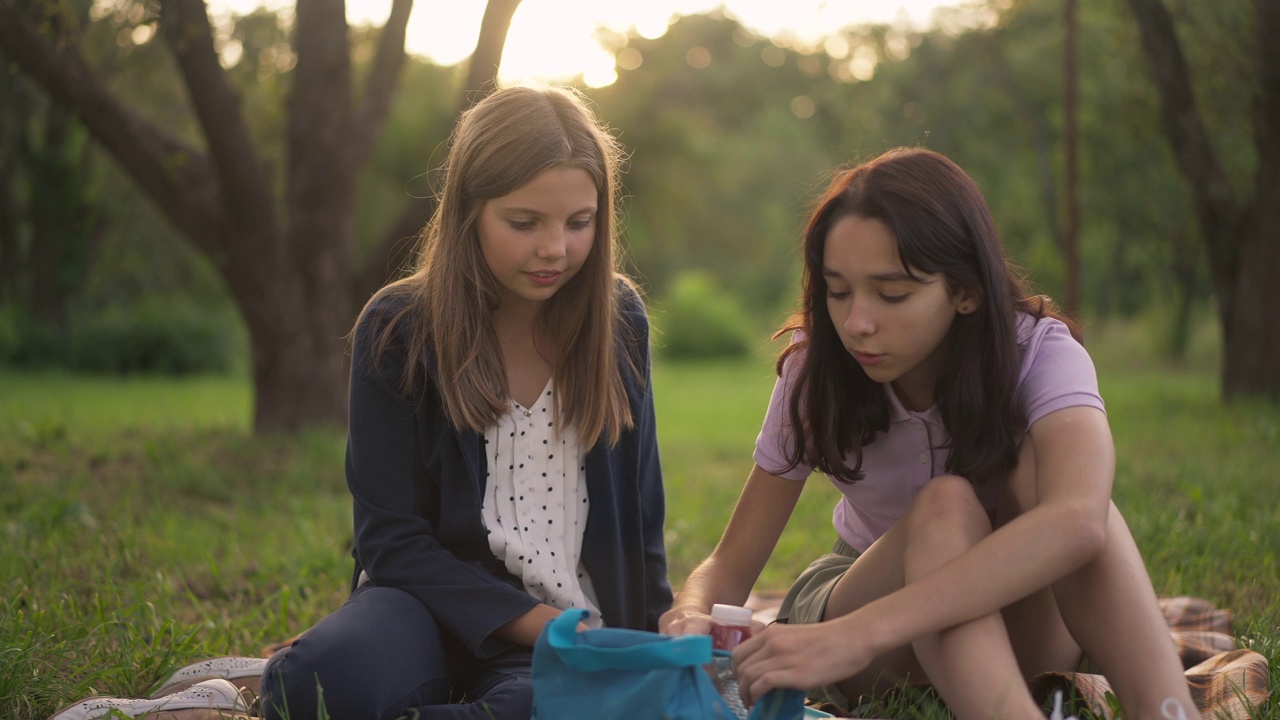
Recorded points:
(417, 481)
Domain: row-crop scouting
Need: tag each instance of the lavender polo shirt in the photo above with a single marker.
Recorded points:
(1056, 373)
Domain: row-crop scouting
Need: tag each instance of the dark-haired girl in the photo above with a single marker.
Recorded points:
(959, 416)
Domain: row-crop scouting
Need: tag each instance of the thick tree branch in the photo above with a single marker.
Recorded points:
(321, 116)
(322, 177)
(381, 82)
(177, 177)
(185, 26)
(483, 67)
(394, 252)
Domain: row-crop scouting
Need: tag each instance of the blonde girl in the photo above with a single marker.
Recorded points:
(502, 458)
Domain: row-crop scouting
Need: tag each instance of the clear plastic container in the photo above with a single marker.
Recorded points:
(730, 625)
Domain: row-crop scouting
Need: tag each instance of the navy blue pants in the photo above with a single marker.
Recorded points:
(382, 656)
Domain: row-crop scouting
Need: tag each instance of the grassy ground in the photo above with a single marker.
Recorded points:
(143, 527)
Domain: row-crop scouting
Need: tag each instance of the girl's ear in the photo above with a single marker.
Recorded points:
(967, 300)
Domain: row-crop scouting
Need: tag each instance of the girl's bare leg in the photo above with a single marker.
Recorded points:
(1040, 638)
(1108, 608)
(1111, 609)
(972, 665)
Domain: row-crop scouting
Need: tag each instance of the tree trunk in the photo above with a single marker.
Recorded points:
(298, 362)
(11, 262)
(57, 216)
(12, 138)
(1252, 364)
(1242, 237)
(1251, 331)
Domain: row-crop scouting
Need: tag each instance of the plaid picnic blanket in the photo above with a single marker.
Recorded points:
(1226, 682)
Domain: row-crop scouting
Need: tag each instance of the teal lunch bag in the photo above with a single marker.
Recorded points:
(633, 674)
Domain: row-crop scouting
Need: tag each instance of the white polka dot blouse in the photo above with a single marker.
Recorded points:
(535, 504)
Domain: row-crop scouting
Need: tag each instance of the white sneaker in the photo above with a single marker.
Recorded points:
(1056, 713)
(227, 668)
(217, 694)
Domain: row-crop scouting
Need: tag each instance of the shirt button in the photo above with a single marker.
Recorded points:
(924, 457)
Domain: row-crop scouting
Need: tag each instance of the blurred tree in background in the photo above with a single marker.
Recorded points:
(729, 133)
(1234, 177)
(261, 179)
(44, 158)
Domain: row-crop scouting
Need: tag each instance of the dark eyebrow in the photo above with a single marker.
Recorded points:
(900, 276)
(515, 209)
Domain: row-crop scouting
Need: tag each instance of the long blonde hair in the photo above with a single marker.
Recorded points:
(498, 145)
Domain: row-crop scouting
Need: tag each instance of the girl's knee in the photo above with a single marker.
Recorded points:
(286, 690)
(948, 501)
(380, 646)
(512, 697)
(505, 685)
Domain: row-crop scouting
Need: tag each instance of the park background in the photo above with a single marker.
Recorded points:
(193, 208)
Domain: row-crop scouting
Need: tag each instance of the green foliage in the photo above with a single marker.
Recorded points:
(720, 163)
(699, 319)
(10, 329)
(25, 342)
(154, 336)
(144, 304)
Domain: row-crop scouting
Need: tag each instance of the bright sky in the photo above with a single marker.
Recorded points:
(554, 39)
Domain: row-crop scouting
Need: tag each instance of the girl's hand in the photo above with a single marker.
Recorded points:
(684, 621)
(526, 628)
(798, 656)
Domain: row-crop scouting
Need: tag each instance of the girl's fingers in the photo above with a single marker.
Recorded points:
(796, 657)
(759, 666)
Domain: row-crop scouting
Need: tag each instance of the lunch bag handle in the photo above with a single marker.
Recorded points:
(622, 649)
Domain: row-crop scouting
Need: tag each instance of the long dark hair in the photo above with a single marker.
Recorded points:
(942, 225)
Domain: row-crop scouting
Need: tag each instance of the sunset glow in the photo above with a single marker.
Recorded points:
(555, 39)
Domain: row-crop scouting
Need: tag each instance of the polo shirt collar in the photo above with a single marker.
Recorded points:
(897, 413)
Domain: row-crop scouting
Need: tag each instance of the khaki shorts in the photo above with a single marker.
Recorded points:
(806, 602)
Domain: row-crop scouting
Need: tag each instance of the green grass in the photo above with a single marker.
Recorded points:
(143, 527)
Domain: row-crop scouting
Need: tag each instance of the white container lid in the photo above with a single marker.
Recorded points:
(731, 615)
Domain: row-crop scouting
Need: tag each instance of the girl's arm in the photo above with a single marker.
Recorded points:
(526, 628)
(648, 465)
(396, 542)
(728, 575)
(1073, 461)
